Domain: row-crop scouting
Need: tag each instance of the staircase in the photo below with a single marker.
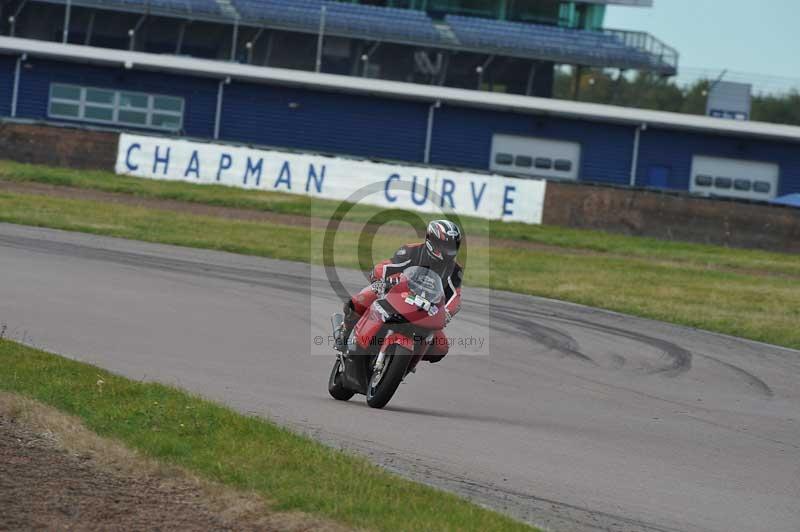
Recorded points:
(446, 33)
(228, 9)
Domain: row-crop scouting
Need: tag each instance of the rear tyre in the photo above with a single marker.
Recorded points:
(396, 363)
(335, 386)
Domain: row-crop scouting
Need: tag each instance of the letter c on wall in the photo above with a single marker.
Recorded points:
(393, 177)
(132, 167)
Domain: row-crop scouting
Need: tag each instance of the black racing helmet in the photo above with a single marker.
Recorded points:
(442, 241)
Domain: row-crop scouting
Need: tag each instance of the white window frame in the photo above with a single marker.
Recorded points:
(116, 107)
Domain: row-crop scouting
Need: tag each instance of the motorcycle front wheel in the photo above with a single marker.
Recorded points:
(380, 389)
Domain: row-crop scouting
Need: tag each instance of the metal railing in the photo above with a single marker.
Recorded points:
(645, 42)
(659, 57)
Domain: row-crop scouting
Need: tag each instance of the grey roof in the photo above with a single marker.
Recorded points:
(394, 89)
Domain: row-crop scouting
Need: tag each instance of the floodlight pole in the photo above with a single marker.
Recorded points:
(576, 88)
(531, 77)
(481, 69)
(366, 57)
(181, 37)
(251, 44)
(13, 18)
(268, 52)
(133, 31)
(320, 38)
(67, 13)
(89, 30)
(235, 39)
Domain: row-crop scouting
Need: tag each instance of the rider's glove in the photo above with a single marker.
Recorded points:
(379, 287)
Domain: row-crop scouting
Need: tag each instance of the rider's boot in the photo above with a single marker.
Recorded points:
(351, 317)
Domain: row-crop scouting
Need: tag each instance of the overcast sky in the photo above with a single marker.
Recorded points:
(754, 36)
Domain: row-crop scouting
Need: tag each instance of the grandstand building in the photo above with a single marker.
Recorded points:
(210, 70)
(505, 46)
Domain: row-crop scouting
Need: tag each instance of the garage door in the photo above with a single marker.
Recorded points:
(535, 157)
(734, 178)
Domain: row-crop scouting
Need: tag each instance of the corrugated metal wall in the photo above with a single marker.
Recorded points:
(395, 129)
(675, 149)
(463, 137)
(7, 64)
(324, 121)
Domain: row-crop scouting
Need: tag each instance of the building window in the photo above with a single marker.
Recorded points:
(121, 108)
(704, 180)
(523, 161)
(504, 158)
(723, 182)
(544, 162)
(762, 186)
(563, 165)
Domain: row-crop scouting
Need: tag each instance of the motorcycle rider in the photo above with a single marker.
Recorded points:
(438, 253)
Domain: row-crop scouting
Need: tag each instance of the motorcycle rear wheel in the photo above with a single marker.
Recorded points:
(396, 363)
(335, 386)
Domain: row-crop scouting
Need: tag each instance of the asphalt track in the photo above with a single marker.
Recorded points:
(578, 419)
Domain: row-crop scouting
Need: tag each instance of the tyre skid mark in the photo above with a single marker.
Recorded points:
(752, 380)
(679, 359)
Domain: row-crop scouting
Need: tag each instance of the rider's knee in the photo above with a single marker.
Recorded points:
(438, 349)
(361, 301)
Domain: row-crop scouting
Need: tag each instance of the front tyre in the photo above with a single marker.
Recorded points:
(335, 386)
(394, 369)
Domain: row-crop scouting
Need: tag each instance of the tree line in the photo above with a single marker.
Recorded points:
(649, 91)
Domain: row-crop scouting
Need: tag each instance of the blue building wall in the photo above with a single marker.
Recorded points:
(675, 150)
(324, 121)
(463, 137)
(200, 94)
(7, 65)
(377, 127)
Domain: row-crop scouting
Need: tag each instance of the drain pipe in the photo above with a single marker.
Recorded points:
(429, 134)
(15, 90)
(635, 159)
(218, 114)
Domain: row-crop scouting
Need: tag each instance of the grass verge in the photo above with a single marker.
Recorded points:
(247, 453)
(106, 485)
(728, 296)
(292, 204)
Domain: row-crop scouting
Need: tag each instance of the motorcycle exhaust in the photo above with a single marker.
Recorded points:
(337, 320)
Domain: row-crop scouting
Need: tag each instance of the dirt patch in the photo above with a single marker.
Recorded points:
(55, 474)
(237, 213)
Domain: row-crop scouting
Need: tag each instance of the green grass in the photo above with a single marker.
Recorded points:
(725, 295)
(568, 239)
(291, 471)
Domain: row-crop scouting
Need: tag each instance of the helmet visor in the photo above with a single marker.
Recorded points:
(444, 250)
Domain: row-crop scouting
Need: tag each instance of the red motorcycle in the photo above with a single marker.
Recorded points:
(390, 339)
